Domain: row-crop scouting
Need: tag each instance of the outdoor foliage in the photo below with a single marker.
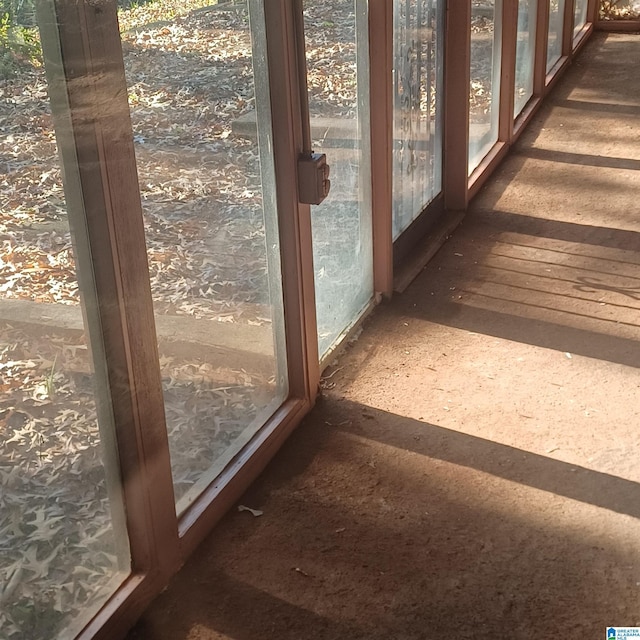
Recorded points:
(620, 10)
(19, 46)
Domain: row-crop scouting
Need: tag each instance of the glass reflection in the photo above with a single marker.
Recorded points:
(484, 96)
(63, 544)
(556, 20)
(337, 62)
(417, 137)
(200, 109)
(525, 53)
(579, 16)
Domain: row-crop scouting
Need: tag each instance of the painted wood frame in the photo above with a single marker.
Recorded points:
(456, 105)
(381, 105)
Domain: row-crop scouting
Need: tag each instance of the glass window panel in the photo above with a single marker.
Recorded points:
(484, 98)
(201, 115)
(580, 16)
(417, 123)
(337, 60)
(525, 53)
(556, 20)
(63, 544)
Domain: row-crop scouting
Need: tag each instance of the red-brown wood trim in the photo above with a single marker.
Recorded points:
(567, 27)
(582, 37)
(508, 69)
(296, 246)
(456, 105)
(197, 522)
(122, 610)
(381, 101)
(542, 43)
(620, 26)
(99, 113)
(525, 117)
(555, 73)
(488, 165)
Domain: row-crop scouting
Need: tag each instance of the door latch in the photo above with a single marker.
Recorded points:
(313, 178)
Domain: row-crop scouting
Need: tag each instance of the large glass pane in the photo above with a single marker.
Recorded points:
(579, 15)
(417, 123)
(484, 97)
(556, 20)
(525, 53)
(200, 108)
(337, 55)
(63, 545)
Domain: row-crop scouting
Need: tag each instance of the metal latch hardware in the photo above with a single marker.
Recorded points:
(313, 178)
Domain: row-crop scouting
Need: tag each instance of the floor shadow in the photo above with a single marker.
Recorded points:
(606, 162)
(600, 236)
(601, 107)
(393, 528)
(559, 285)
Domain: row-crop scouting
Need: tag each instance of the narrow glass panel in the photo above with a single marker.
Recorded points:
(484, 97)
(580, 16)
(417, 122)
(556, 20)
(337, 59)
(63, 544)
(525, 53)
(201, 116)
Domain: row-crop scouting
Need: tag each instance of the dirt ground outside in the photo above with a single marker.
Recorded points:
(471, 470)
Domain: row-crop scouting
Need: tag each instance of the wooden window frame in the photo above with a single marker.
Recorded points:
(92, 106)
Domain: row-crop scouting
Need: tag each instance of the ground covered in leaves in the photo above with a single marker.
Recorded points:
(620, 10)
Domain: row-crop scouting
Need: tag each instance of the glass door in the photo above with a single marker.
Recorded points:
(64, 548)
(200, 106)
(337, 54)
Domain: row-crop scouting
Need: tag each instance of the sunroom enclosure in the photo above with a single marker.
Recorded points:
(167, 300)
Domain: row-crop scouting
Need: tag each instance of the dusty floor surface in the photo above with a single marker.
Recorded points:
(473, 471)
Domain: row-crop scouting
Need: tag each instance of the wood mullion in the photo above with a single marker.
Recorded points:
(567, 28)
(542, 43)
(381, 104)
(296, 245)
(508, 69)
(110, 211)
(457, 79)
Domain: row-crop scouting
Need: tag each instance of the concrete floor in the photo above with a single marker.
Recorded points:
(473, 469)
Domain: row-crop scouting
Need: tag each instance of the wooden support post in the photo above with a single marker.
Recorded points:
(542, 42)
(567, 27)
(381, 92)
(456, 105)
(508, 69)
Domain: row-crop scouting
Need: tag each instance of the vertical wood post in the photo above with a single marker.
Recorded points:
(508, 69)
(381, 101)
(542, 42)
(567, 27)
(99, 162)
(294, 218)
(457, 80)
